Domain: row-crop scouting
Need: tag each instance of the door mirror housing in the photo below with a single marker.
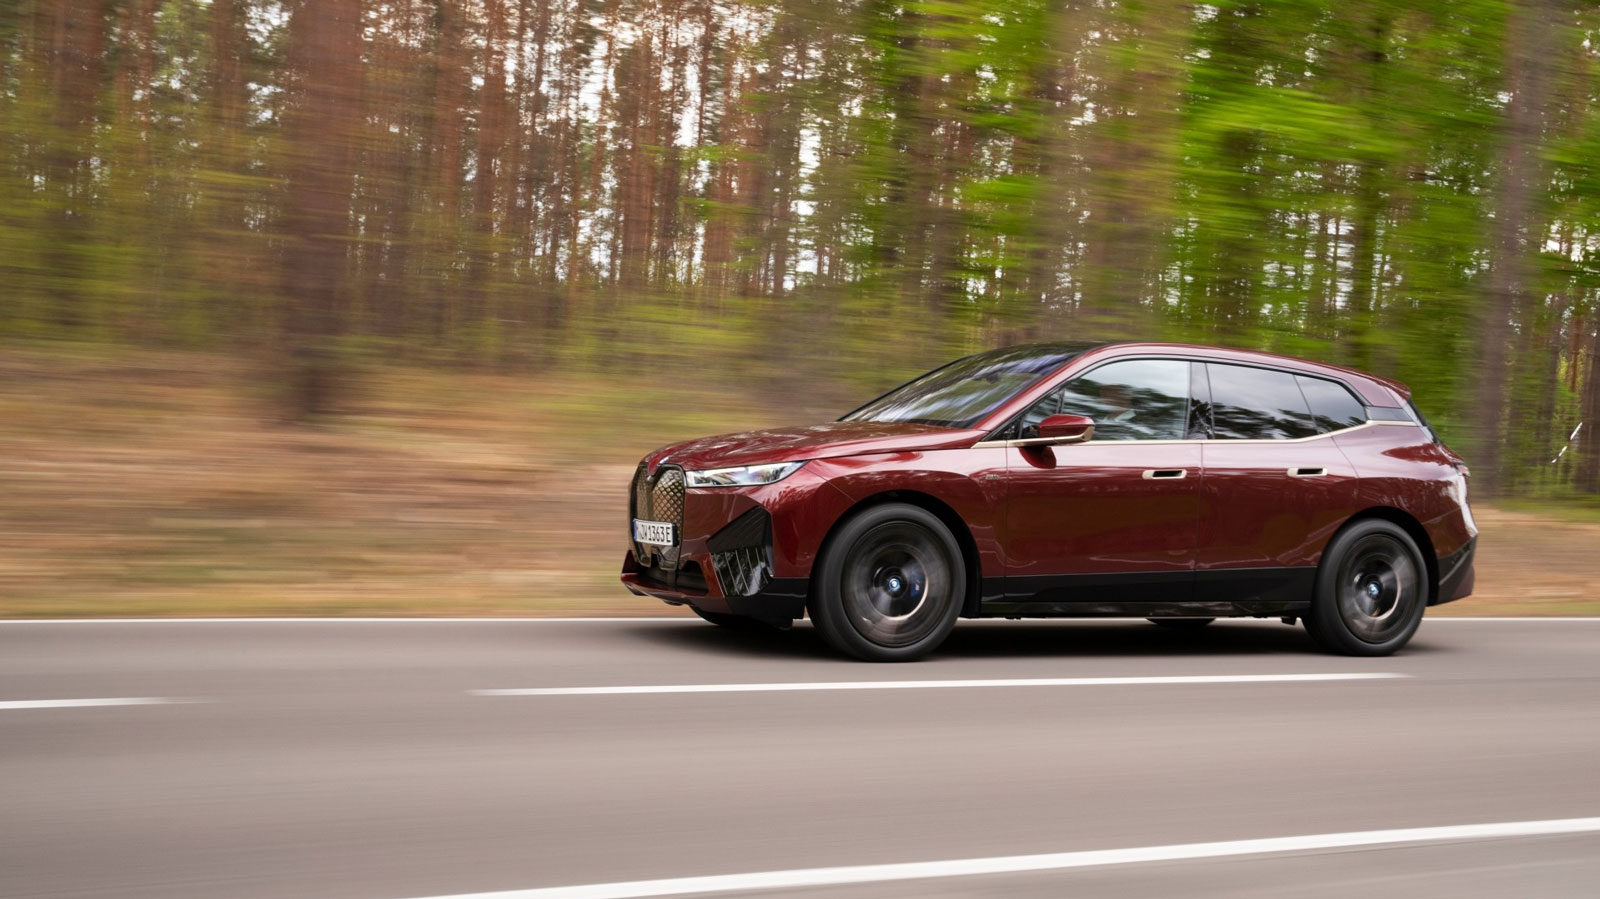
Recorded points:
(1066, 428)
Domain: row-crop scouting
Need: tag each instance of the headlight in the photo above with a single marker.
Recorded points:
(745, 476)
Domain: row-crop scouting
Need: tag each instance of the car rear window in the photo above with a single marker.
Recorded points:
(1333, 407)
(1257, 404)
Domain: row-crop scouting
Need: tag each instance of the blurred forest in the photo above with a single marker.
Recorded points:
(804, 192)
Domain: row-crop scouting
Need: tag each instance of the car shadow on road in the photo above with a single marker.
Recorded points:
(1015, 640)
(1122, 638)
(800, 642)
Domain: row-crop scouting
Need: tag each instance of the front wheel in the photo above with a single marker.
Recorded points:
(1372, 588)
(890, 586)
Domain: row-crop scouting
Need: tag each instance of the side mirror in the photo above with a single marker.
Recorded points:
(1066, 428)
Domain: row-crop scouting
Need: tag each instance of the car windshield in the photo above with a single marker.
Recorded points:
(958, 395)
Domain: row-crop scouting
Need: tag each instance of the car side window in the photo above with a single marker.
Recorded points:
(1333, 407)
(1140, 399)
(1257, 404)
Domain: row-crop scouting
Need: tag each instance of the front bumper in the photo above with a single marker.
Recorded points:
(728, 557)
(779, 600)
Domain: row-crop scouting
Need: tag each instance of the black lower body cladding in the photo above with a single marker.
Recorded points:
(741, 554)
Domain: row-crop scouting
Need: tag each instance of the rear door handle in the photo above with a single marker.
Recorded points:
(1307, 472)
(1163, 474)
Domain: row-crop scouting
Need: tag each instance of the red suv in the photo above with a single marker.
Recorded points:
(1169, 482)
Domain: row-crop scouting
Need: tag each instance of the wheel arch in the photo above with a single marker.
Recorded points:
(1413, 528)
(934, 506)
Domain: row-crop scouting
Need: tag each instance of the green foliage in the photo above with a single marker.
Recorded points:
(834, 192)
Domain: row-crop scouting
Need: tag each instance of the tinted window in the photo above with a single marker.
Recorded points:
(960, 393)
(1029, 424)
(1141, 399)
(1332, 406)
(1257, 404)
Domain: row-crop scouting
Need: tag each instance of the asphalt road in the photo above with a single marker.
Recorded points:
(360, 759)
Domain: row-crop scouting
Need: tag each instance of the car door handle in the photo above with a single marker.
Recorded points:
(1165, 474)
(1308, 472)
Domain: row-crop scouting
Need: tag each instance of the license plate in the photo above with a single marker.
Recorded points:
(655, 533)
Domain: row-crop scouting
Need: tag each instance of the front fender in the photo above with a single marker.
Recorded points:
(970, 483)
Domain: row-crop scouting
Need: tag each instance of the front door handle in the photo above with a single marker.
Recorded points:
(1165, 474)
(1307, 472)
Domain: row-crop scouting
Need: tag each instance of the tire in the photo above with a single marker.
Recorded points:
(1181, 624)
(1372, 588)
(733, 622)
(890, 585)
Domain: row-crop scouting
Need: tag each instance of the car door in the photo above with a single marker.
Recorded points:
(1276, 485)
(1097, 526)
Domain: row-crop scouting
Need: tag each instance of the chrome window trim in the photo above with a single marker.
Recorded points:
(1050, 441)
(1201, 358)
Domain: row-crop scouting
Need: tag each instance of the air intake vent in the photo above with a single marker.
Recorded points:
(741, 553)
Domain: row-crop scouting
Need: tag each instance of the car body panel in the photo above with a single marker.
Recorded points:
(1401, 468)
(1269, 509)
(798, 444)
(1078, 511)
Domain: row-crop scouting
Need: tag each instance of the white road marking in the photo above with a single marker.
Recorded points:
(1015, 864)
(6, 705)
(938, 684)
(1433, 620)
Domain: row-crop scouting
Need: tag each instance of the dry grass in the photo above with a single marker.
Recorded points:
(154, 485)
(160, 486)
(1533, 563)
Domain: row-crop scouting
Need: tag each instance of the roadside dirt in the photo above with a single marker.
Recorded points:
(1531, 564)
(151, 484)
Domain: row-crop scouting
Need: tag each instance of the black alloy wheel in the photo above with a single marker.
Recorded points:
(1372, 589)
(890, 585)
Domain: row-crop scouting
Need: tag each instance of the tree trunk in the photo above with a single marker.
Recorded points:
(1131, 164)
(77, 62)
(320, 135)
(486, 165)
(1511, 248)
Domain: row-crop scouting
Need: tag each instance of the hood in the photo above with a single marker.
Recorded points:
(795, 444)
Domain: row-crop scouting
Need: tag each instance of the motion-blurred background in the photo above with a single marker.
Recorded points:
(370, 306)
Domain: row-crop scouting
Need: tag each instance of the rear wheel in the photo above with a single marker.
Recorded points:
(891, 585)
(1181, 624)
(1372, 588)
